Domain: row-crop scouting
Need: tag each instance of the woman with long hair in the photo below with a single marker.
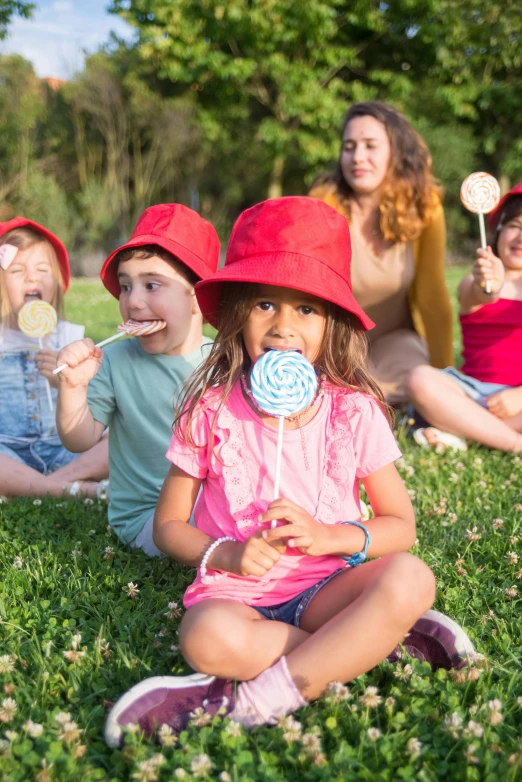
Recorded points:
(384, 186)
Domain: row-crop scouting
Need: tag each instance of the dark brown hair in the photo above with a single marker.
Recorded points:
(410, 193)
(512, 209)
(342, 358)
(144, 251)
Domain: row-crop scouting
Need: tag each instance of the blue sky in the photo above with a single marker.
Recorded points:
(55, 38)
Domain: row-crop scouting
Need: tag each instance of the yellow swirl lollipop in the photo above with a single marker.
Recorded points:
(37, 319)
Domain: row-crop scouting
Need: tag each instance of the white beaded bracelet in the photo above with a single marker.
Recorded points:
(203, 566)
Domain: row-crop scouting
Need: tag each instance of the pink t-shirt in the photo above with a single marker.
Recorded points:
(348, 438)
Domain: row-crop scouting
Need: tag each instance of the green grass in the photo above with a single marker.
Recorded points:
(56, 580)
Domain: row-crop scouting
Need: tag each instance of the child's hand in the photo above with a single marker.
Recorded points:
(253, 557)
(488, 268)
(302, 531)
(83, 360)
(505, 404)
(46, 360)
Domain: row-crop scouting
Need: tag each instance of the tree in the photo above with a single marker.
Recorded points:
(270, 65)
(10, 7)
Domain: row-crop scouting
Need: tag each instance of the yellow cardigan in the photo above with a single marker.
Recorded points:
(430, 304)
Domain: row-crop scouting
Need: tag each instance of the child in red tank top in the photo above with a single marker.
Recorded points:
(482, 402)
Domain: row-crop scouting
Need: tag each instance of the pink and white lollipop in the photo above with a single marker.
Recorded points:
(480, 194)
(133, 328)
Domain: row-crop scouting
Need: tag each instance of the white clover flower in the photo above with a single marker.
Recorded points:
(293, 731)
(497, 524)
(200, 765)
(403, 673)
(7, 663)
(472, 535)
(132, 590)
(199, 718)
(370, 699)
(225, 777)
(389, 702)
(88, 501)
(414, 747)
(470, 755)
(336, 692)
(34, 729)
(473, 730)
(453, 723)
(18, 563)
(166, 736)
(62, 717)
(173, 612)
(180, 773)
(311, 743)
(8, 710)
(70, 732)
(512, 557)
(37, 502)
(233, 728)
(374, 734)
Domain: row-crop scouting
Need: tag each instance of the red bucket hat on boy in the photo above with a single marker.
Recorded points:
(296, 242)
(58, 246)
(177, 229)
(496, 214)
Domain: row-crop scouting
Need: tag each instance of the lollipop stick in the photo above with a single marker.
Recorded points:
(98, 345)
(280, 429)
(47, 386)
(483, 242)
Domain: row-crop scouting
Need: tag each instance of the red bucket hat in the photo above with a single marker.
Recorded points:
(495, 216)
(58, 246)
(296, 242)
(177, 229)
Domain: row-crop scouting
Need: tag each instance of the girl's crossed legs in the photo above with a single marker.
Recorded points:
(445, 405)
(348, 627)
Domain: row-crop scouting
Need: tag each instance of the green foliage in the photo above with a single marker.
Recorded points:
(10, 7)
(40, 197)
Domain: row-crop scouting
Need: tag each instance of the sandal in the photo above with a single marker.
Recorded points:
(444, 439)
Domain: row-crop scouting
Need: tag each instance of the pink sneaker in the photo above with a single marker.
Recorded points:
(437, 639)
(168, 700)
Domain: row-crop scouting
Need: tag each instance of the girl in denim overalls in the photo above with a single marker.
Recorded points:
(34, 265)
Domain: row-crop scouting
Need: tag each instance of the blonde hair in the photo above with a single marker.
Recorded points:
(342, 357)
(23, 239)
(410, 193)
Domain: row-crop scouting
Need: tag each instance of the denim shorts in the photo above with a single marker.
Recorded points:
(478, 390)
(291, 612)
(27, 422)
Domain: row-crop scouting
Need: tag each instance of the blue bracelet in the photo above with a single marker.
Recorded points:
(360, 556)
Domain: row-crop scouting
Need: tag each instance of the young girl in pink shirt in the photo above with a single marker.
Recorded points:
(276, 614)
(483, 401)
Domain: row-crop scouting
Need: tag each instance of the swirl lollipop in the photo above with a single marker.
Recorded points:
(480, 193)
(283, 384)
(134, 328)
(38, 319)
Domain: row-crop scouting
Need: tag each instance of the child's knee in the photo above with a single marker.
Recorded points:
(409, 585)
(206, 639)
(419, 382)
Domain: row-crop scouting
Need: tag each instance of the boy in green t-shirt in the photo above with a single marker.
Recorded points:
(132, 385)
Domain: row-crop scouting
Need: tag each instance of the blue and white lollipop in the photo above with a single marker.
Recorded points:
(283, 383)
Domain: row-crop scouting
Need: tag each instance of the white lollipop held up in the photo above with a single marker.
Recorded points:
(480, 194)
(283, 383)
(134, 328)
(38, 319)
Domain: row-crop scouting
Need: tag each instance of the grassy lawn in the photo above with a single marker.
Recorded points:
(72, 640)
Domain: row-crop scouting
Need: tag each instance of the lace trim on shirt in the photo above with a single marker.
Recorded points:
(340, 467)
(227, 459)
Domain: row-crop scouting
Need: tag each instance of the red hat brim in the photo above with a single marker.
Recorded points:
(496, 214)
(109, 272)
(58, 246)
(281, 268)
